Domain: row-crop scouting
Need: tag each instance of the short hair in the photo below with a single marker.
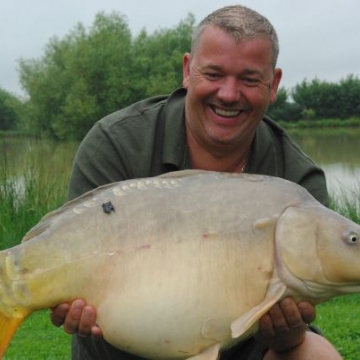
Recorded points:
(241, 23)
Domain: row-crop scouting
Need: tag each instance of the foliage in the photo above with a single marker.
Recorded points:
(28, 194)
(97, 70)
(92, 72)
(312, 100)
(322, 99)
(9, 117)
(284, 110)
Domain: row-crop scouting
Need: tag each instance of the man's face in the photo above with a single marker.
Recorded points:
(229, 88)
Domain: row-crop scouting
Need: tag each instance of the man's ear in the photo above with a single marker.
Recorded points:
(275, 84)
(186, 69)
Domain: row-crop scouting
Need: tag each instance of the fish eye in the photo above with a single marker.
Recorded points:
(351, 237)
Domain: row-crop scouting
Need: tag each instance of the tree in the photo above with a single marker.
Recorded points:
(91, 73)
(9, 104)
(158, 58)
(349, 97)
(324, 100)
(80, 78)
(283, 109)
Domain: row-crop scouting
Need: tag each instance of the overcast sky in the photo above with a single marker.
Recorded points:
(318, 38)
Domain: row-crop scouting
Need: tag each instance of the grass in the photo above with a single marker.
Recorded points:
(321, 123)
(38, 339)
(339, 320)
(25, 196)
(22, 204)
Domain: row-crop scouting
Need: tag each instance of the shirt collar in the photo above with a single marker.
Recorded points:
(263, 157)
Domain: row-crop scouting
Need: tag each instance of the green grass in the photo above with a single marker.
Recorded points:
(38, 339)
(36, 191)
(321, 123)
(339, 320)
(45, 189)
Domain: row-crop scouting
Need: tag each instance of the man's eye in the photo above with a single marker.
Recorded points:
(250, 81)
(212, 76)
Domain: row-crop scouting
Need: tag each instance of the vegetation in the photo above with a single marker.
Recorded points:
(94, 71)
(317, 99)
(9, 107)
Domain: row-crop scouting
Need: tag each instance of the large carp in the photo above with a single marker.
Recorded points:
(181, 265)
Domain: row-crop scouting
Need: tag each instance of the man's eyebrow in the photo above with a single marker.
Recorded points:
(211, 67)
(245, 72)
(252, 72)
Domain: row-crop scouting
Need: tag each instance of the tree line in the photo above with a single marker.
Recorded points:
(97, 70)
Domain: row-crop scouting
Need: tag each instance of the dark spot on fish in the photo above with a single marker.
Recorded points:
(108, 207)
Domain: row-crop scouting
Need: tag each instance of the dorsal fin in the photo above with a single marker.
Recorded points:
(183, 173)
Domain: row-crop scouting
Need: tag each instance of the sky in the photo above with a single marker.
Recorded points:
(318, 38)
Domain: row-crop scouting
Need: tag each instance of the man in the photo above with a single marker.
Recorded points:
(216, 122)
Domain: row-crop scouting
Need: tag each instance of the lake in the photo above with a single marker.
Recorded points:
(337, 151)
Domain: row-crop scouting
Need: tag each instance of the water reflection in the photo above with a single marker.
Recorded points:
(337, 151)
(18, 155)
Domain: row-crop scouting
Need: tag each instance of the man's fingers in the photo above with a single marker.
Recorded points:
(58, 314)
(72, 321)
(87, 321)
(278, 319)
(307, 311)
(291, 313)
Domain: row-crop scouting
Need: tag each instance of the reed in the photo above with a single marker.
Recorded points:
(25, 197)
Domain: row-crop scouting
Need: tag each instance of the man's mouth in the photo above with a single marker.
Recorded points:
(225, 113)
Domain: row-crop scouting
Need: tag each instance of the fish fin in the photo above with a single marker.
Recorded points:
(183, 173)
(210, 353)
(244, 322)
(214, 329)
(8, 327)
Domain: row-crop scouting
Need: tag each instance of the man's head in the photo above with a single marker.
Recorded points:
(230, 77)
(241, 23)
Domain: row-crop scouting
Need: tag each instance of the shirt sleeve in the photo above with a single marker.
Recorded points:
(98, 161)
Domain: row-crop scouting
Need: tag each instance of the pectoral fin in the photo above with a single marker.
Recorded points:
(210, 353)
(8, 327)
(244, 322)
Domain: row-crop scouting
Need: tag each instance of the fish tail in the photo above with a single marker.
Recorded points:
(8, 327)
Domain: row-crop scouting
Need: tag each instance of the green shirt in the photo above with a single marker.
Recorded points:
(148, 139)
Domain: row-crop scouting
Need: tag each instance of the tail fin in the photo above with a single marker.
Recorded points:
(8, 327)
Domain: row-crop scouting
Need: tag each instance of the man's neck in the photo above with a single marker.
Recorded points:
(224, 158)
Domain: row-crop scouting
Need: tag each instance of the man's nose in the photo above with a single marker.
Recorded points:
(229, 90)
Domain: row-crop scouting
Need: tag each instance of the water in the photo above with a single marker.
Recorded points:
(43, 159)
(337, 151)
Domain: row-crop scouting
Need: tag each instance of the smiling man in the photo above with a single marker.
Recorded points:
(230, 83)
(215, 122)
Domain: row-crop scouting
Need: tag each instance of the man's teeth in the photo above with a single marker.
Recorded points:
(226, 113)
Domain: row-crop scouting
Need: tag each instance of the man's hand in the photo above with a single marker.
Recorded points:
(281, 329)
(284, 326)
(77, 318)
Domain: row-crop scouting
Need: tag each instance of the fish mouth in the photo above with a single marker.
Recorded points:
(228, 113)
